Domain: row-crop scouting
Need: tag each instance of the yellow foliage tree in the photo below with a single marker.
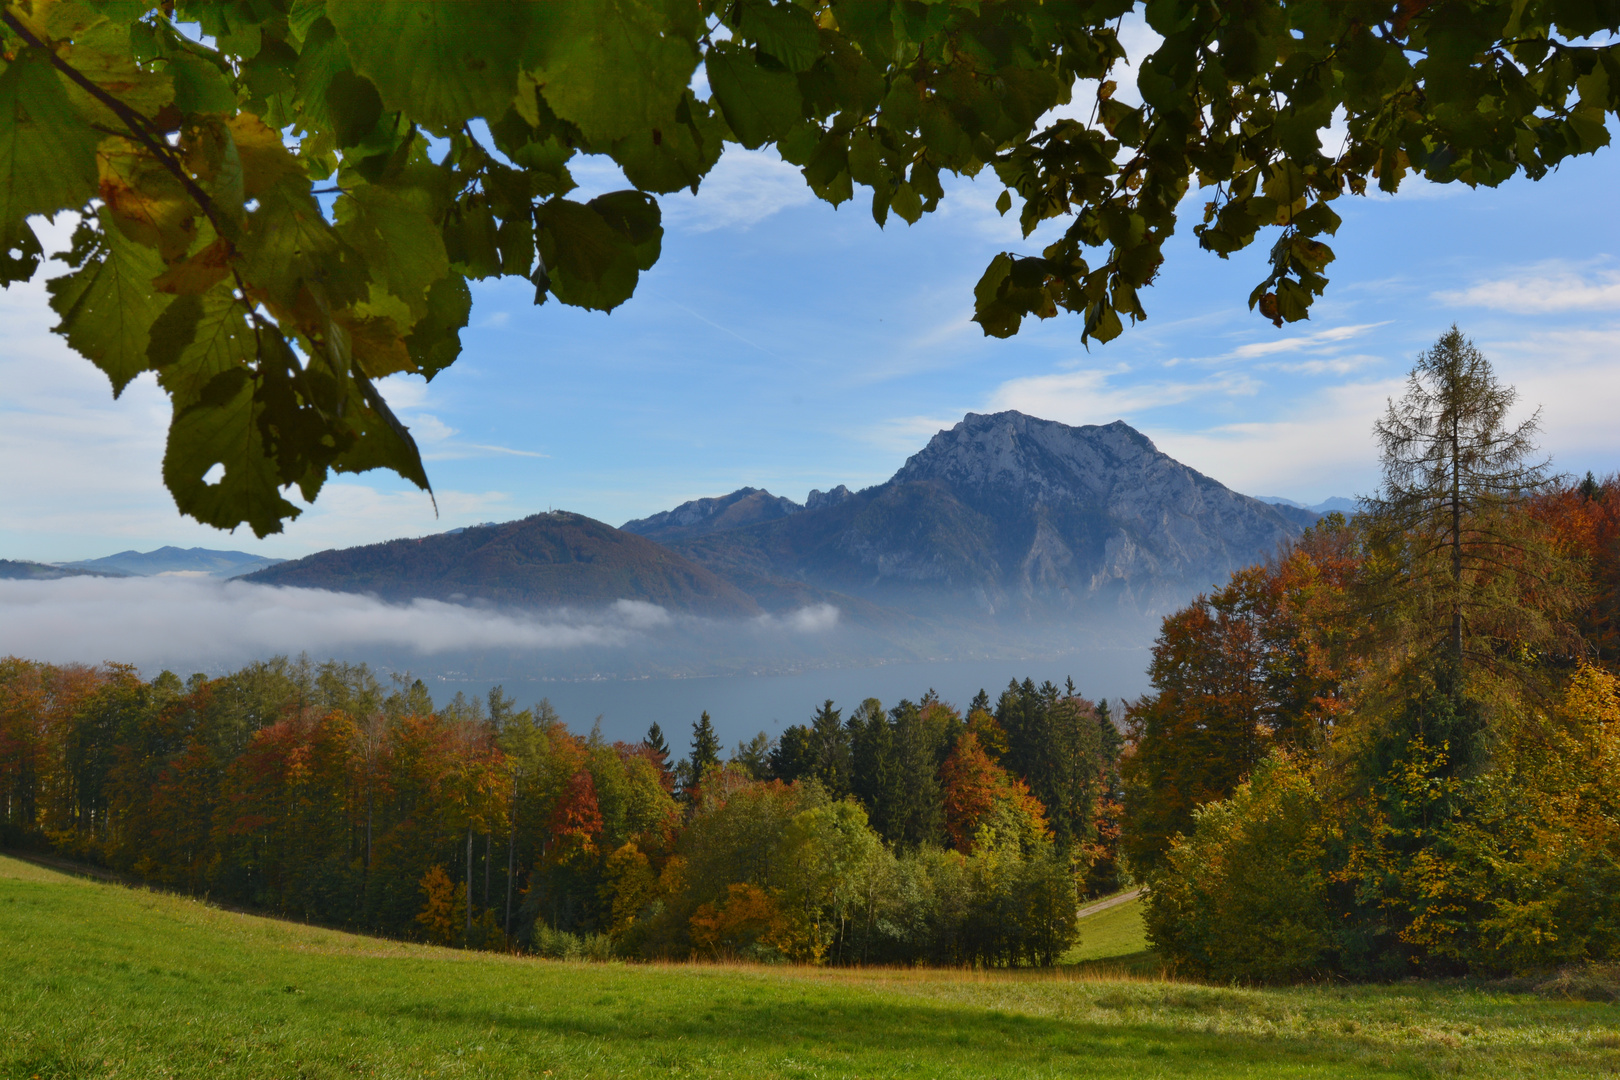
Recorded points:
(441, 916)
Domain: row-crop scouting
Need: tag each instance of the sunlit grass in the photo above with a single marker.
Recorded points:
(99, 980)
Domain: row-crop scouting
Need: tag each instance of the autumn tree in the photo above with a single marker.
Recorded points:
(1256, 665)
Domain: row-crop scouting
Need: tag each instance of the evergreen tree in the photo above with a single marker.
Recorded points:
(873, 766)
(792, 758)
(1460, 577)
(654, 741)
(830, 750)
(705, 755)
(980, 702)
(754, 756)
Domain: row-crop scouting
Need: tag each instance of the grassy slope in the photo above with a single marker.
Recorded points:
(98, 980)
(1116, 935)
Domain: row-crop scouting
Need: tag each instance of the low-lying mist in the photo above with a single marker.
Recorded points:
(208, 624)
(628, 662)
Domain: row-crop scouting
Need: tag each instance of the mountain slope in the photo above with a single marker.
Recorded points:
(745, 506)
(548, 560)
(173, 560)
(1009, 515)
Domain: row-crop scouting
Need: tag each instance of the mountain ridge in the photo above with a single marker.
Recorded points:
(555, 559)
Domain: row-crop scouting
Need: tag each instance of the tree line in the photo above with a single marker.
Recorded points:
(1395, 748)
(910, 834)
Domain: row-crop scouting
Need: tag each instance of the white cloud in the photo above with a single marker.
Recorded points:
(1547, 287)
(203, 622)
(1323, 448)
(744, 188)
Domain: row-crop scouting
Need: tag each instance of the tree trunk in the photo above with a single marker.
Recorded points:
(1456, 546)
(469, 881)
(511, 852)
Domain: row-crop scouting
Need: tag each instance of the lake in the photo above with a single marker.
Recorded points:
(743, 705)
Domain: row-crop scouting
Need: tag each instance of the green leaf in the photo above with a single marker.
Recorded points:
(402, 246)
(196, 339)
(614, 67)
(441, 62)
(108, 305)
(354, 106)
(47, 153)
(20, 253)
(435, 340)
(588, 262)
(759, 105)
(200, 87)
(786, 31)
(221, 429)
(676, 157)
(637, 218)
(289, 243)
(381, 442)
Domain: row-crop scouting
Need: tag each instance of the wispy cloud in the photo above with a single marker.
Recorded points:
(1095, 396)
(1544, 288)
(1331, 337)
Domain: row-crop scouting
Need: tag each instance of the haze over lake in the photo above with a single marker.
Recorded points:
(743, 705)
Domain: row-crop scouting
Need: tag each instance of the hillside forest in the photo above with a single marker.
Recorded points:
(1392, 749)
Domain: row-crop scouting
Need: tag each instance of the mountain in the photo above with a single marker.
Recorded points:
(548, 560)
(1308, 514)
(22, 570)
(1013, 516)
(745, 506)
(173, 560)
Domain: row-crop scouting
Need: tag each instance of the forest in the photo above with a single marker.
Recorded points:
(1393, 749)
(904, 835)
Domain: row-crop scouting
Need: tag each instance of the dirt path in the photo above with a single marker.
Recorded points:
(1111, 902)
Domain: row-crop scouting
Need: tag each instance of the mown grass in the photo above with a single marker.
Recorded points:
(100, 980)
(1115, 934)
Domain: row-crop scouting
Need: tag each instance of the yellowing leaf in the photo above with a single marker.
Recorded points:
(145, 201)
(199, 273)
(266, 162)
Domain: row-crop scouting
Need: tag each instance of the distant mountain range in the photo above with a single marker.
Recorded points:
(1005, 517)
(192, 562)
(1338, 504)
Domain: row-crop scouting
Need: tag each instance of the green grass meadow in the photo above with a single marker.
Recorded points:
(100, 980)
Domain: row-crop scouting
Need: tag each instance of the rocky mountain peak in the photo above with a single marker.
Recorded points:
(745, 506)
(820, 500)
(1041, 459)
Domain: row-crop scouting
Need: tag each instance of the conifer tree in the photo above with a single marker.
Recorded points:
(705, 754)
(1460, 576)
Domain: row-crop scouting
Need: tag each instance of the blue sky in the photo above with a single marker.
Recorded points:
(783, 344)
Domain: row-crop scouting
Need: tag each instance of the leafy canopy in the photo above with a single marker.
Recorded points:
(286, 202)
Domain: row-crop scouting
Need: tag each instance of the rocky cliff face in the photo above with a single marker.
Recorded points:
(1009, 515)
